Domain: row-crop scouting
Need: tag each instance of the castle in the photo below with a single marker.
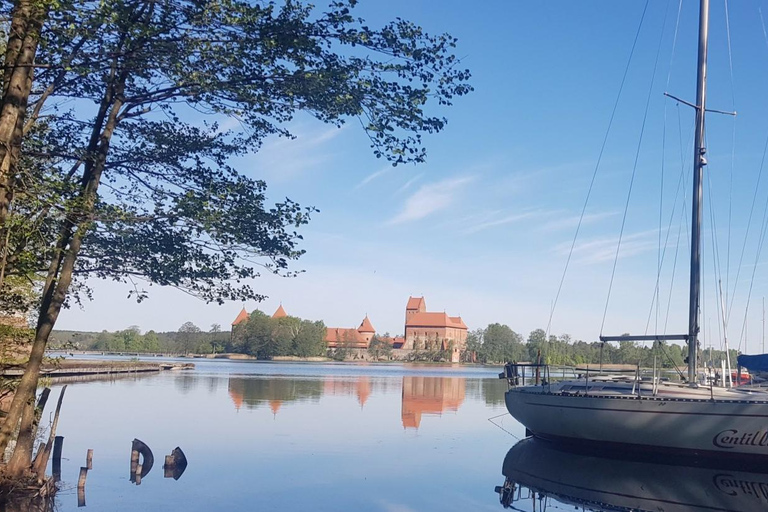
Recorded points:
(432, 330)
(424, 330)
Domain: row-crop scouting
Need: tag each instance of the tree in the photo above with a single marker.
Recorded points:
(176, 212)
(151, 341)
(380, 347)
(310, 339)
(188, 335)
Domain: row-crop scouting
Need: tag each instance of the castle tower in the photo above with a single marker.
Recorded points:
(366, 329)
(279, 313)
(415, 305)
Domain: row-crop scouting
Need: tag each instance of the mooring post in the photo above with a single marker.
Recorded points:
(138, 474)
(89, 459)
(81, 496)
(58, 445)
(82, 477)
(168, 467)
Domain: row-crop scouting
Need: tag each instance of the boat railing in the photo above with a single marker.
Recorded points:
(527, 373)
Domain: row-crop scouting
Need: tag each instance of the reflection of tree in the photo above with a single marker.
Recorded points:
(186, 382)
(253, 393)
(430, 395)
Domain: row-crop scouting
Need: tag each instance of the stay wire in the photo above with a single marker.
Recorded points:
(761, 240)
(754, 196)
(683, 211)
(660, 253)
(733, 149)
(632, 178)
(597, 164)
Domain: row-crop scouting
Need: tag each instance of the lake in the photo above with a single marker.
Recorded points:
(291, 436)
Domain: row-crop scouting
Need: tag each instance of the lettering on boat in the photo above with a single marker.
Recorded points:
(732, 438)
(733, 486)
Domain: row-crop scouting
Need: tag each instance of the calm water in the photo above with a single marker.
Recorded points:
(289, 436)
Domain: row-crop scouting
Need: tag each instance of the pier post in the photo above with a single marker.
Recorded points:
(89, 459)
(58, 446)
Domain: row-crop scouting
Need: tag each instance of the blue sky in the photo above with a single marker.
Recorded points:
(484, 227)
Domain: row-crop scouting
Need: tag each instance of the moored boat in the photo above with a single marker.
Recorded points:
(536, 469)
(641, 415)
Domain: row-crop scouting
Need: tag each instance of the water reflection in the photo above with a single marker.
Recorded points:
(430, 395)
(253, 393)
(540, 475)
(420, 395)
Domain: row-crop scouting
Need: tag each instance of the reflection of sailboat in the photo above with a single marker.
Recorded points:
(654, 415)
(537, 469)
(430, 395)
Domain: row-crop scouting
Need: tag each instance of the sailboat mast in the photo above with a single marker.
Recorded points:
(699, 161)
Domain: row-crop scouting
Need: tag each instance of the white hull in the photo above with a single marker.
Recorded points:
(682, 419)
(621, 484)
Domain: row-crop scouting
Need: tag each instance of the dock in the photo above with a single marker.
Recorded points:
(75, 368)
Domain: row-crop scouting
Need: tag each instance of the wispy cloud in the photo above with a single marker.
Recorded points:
(283, 158)
(431, 198)
(500, 221)
(573, 221)
(373, 176)
(599, 250)
(408, 183)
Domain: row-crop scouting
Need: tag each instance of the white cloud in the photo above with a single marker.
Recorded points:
(283, 158)
(500, 221)
(408, 183)
(573, 221)
(373, 176)
(599, 250)
(431, 198)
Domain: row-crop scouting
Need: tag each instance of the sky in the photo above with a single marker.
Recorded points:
(484, 228)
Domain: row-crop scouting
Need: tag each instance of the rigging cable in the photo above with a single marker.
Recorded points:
(597, 165)
(761, 239)
(634, 173)
(660, 253)
(754, 198)
(733, 148)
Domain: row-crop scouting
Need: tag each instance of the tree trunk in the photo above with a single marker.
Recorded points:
(22, 454)
(61, 269)
(27, 21)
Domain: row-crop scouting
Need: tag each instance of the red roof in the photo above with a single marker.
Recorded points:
(280, 313)
(242, 317)
(366, 326)
(434, 320)
(415, 303)
(338, 336)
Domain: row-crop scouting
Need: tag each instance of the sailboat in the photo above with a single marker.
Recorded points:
(550, 475)
(641, 415)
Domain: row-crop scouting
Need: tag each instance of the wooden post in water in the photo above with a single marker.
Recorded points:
(138, 475)
(81, 487)
(89, 459)
(58, 445)
(82, 477)
(134, 464)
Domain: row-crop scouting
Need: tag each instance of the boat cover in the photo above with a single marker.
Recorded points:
(756, 363)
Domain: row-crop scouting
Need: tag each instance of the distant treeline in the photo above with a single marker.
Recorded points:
(265, 338)
(188, 339)
(498, 343)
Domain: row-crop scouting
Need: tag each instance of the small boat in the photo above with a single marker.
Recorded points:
(553, 476)
(638, 414)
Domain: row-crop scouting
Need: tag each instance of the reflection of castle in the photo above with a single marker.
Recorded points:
(252, 393)
(430, 395)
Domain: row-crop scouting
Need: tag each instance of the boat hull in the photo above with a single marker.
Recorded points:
(600, 483)
(628, 423)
